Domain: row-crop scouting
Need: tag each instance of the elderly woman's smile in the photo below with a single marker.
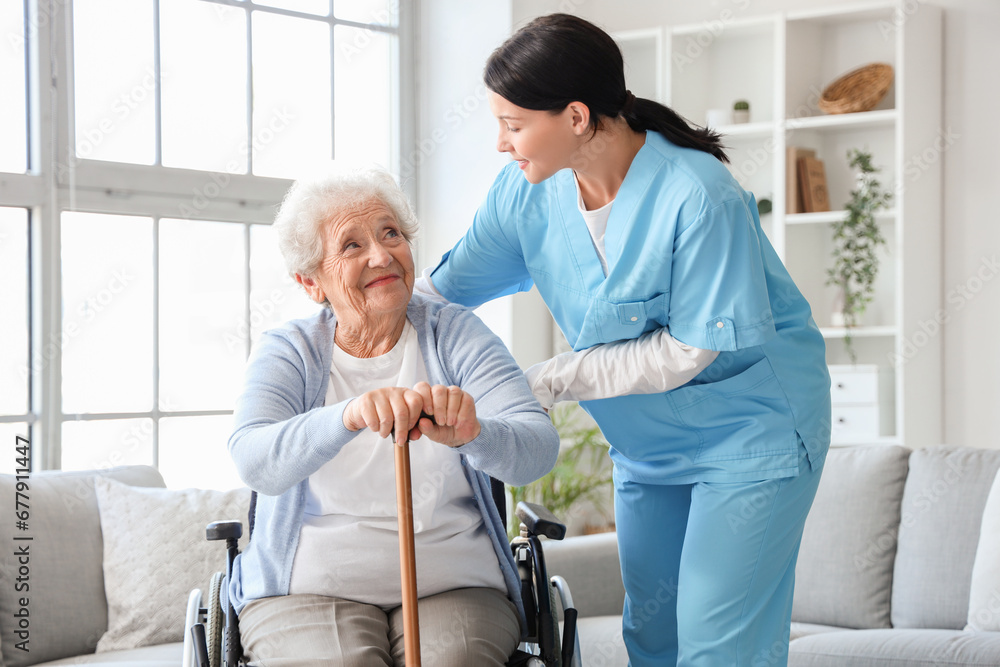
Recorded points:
(366, 273)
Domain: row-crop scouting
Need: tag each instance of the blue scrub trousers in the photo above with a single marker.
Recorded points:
(709, 569)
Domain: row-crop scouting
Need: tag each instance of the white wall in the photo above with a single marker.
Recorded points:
(456, 157)
(464, 33)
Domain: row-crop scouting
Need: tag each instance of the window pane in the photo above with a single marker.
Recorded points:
(204, 64)
(202, 305)
(14, 367)
(91, 445)
(114, 80)
(320, 7)
(13, 119)
(274, 297)
(107, 313)
(365, 98)
(8, 440)
(381, 12)
(291, 88)
(194, 453)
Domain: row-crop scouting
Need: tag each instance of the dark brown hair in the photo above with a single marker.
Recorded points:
(560, 58)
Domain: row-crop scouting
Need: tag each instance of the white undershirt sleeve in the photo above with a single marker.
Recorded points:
(652, 363)
(424, 285)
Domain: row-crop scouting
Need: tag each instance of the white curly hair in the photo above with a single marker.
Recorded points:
(312, 202)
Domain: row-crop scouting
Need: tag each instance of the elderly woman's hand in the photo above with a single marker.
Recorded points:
(454, 413)
(381, 409)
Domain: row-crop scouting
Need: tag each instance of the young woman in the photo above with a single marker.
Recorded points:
(632, 228)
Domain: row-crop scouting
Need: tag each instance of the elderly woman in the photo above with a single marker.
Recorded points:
(319, 583)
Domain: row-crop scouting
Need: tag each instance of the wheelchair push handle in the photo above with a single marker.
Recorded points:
(224, 530)
(540, 521)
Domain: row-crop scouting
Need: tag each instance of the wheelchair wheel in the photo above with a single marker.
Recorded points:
(213, 633)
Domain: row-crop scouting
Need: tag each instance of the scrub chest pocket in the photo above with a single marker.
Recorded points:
(741, 417)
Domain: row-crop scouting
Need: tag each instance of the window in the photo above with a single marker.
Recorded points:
(15, 414)
(138, 281)
(13, 102)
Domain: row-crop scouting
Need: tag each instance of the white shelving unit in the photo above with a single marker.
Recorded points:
(780, 63)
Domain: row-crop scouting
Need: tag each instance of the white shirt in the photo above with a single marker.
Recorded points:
(597, 223)
(349, 542)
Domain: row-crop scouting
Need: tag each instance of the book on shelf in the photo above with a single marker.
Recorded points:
(812, 177)
(793, 196)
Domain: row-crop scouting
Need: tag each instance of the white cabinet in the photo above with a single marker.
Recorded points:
(855, 398)
(781, 63)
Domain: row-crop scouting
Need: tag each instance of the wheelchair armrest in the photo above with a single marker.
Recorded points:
(540, 521)
(224, 530)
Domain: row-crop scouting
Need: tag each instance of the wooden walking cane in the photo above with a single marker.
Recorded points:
(407, 554)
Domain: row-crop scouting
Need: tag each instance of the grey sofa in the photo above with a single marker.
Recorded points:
(884, 574)
(101, 570)
(66, 603)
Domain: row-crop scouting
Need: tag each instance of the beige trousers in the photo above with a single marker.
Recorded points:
(459, 628)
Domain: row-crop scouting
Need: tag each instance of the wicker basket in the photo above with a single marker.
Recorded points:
(858, 90)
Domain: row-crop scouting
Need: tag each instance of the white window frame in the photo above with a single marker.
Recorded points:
(47, 190)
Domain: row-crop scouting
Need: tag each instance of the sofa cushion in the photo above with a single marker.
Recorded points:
(896, 648)
(984, 594)
(163, 655)
(66, 603)
(589, 564)
(942, 513)
(601, 643)
(806, 629)
(844, 572)
(155, 552)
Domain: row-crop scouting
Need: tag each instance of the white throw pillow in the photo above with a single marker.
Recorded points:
(155, 552)
(984, 598)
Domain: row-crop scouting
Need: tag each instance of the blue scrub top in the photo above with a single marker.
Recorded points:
(685, 250)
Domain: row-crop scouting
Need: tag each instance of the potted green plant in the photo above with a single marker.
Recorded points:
(741, 111)
(763, 206)
(582, 472)
(856, 239)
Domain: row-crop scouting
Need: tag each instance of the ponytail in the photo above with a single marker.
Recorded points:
(560, 58)
(645, 114)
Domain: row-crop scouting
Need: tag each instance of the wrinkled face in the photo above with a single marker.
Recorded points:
(367, 268)
(541, 142)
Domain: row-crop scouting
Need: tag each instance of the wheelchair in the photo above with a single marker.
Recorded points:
(211, 637)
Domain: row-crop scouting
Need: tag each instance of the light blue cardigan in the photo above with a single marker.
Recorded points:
(284, 432)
